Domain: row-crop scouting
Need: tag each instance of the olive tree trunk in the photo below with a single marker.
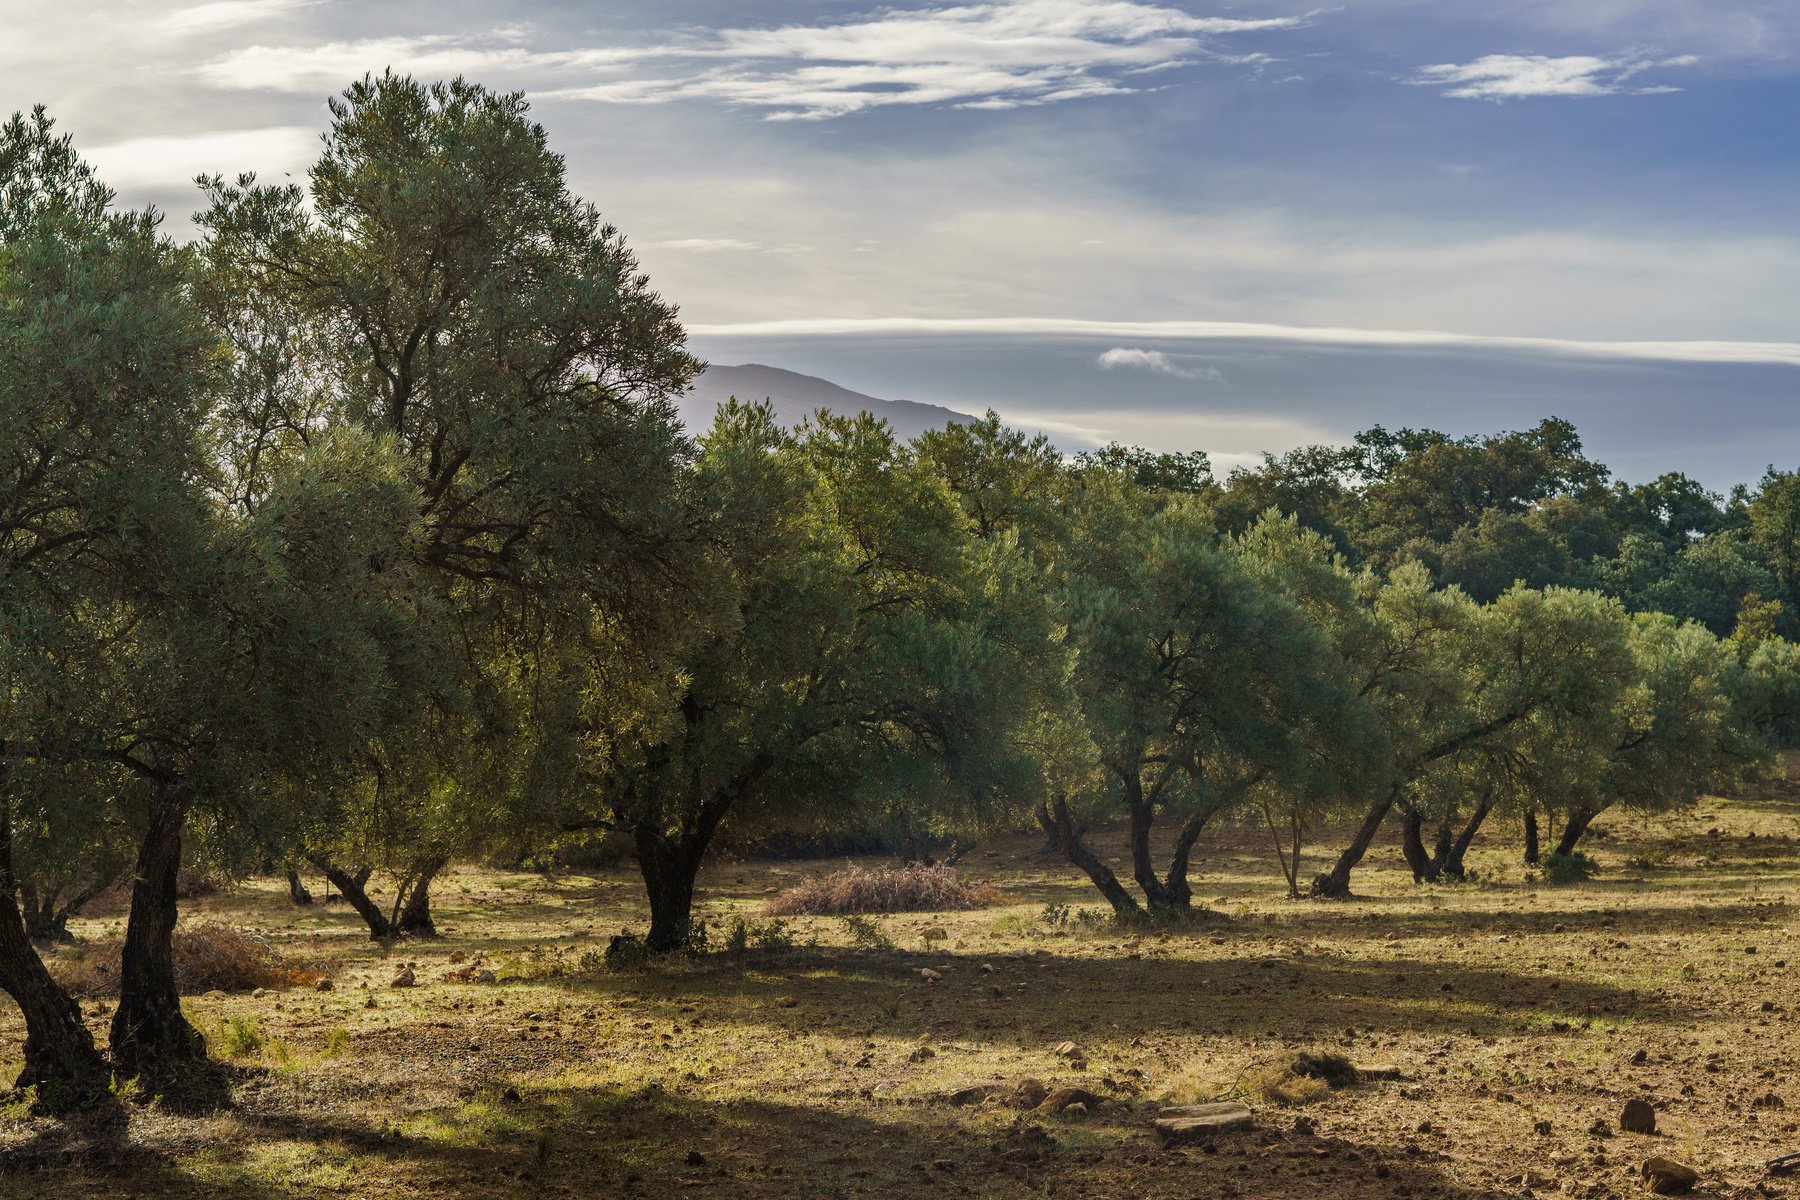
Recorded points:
(297, 892)
(61, 1060)
(151, 1038)
(414, 917)
(1053, 817)
(1335, 884)
(1579, 820)
(670, 865)
(355, 888)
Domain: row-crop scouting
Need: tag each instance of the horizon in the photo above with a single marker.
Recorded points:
(1588, 212)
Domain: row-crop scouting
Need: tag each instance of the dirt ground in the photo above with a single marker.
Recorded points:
(1517, 1016)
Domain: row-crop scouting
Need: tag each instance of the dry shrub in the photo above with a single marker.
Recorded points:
(207, 958)
(1298, 1077)
(1301, 1077)
(191, 883)
(882, 890)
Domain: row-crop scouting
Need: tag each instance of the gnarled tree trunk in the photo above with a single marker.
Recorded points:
(670, 866)
(1336, 883)
(297, 892)
(1532, 853)
(1055, 821)
(1579, 820)
(1412, 844)
(151, 1038)
(355, 890)
(1452, 854)
(61, 1060)
(414, 916)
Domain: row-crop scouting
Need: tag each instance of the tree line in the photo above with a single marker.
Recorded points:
(358, 534)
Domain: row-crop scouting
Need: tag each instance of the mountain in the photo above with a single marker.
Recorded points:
(796, 396)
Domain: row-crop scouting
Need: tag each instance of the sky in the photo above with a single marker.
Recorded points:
(1233, 227)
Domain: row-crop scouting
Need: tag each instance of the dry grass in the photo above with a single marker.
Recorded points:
(882, 890)
(1495, 1025)
(208, 958)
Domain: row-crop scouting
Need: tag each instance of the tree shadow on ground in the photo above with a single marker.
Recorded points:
(854, 993)
(652, 1141)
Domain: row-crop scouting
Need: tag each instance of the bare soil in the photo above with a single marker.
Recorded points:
(1506, 1023)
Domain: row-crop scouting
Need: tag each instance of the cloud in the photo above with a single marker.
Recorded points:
(1767, 353)
(1519, 76)
(707, 245)
(328, 66)
(1130, 358)
(997, 55)
(1229, 439)
(163, 161)
(226, 14)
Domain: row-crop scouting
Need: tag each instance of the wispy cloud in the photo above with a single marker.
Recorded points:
(997, 55)
(1772, 353)
(1229, 439)
(707, 245)
(1521, 76)
(229, 14)
(167, 161)
(1132, 358)
(328, 66)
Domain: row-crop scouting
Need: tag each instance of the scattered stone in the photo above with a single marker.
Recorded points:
(1666, 1177)
(404, 978)
(1198, 1122)
(929, 975)
(987, 968)
(324, 985)
(1543, 1128)
(1069, 1050)
(1305, 1126)
(1029, 1093)
(259, 993)
(921, 1053)
(485, 976)
(1639, 1116)
(1771, 1100)
(1640, 1058)
(963, 1097)
(1600, 1128)
(1063, 1097)
(457, 956)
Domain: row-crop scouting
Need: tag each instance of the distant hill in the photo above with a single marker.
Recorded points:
(796, 396)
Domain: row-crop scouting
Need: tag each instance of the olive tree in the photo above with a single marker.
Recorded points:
(834, 651)
(101, 383)
(1454, 680)
(1196, 686)
(437, 282)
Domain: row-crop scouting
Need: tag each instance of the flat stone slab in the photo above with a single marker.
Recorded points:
(1196, 1122)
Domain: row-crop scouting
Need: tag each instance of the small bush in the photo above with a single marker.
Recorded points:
(207, 958)
(241, 1037)
(744, 935)
(866, 933)
(626, 951)
(882, 890)
(1569, 868)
